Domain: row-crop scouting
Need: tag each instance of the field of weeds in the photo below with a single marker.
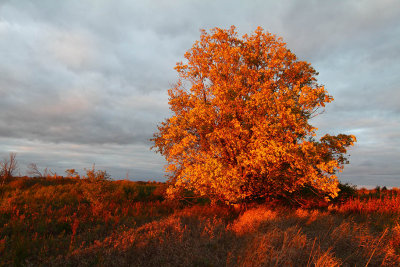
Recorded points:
(78, 222)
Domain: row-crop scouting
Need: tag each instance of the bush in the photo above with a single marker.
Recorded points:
(99, 175)
(346, 192)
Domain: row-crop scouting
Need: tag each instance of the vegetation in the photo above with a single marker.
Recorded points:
(240, 127)
(8, 167)
(255, 187)
(86, 222)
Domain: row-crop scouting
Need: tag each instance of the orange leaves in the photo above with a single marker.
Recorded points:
(240, 126)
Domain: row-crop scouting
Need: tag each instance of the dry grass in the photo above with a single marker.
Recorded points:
(273, 238)
(73, 223)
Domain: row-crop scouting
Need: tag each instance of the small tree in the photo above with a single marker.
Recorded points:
(97, 175)
(34, 171)
(72, 173)
(8, 167)
(240, 126)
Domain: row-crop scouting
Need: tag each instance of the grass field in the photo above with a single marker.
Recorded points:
(81, 222)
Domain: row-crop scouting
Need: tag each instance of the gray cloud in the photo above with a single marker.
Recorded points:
(86, 81)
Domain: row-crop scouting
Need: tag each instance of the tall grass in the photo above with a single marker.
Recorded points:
(68, 222)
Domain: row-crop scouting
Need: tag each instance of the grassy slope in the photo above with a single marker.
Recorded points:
(71, 222)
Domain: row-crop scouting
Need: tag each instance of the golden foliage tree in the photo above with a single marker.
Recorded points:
(240, 125)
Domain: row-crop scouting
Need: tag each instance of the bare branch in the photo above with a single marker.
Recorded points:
(8, 167)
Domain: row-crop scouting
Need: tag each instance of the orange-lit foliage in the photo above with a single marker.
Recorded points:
(373, 201)
(240, 126)
(45, 217)
(83, 222)
(259, 236)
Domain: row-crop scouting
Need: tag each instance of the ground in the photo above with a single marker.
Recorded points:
(83, 222)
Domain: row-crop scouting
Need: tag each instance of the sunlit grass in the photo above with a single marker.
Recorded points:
(66, 222)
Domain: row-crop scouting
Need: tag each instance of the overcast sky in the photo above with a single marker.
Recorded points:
(85, 82)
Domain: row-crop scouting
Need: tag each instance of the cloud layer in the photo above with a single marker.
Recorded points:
(86, 81)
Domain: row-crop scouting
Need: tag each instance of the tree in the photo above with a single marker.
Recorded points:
(240, 125)
(97, 175)
(72, 173)
(34, 171)
(8, 167)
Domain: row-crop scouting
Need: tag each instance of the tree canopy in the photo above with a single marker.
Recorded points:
(240, 127)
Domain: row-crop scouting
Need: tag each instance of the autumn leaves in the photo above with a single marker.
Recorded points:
(240, 126)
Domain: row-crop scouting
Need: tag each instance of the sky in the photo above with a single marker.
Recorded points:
(85, 81)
